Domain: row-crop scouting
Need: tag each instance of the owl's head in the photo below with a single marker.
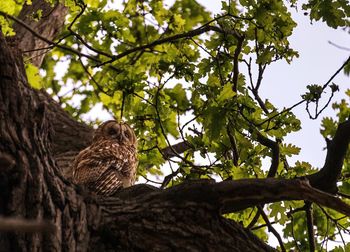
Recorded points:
(121, 132)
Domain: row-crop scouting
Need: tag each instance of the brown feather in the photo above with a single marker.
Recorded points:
(110, 162)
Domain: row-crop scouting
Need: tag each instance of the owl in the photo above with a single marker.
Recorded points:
(110, 162)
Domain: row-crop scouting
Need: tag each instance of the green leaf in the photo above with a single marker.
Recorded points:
(33, 76)
(226, 93)
(8, 6)
(178, 94)
(289, 149)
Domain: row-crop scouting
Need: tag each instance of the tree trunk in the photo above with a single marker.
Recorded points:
(49, 26)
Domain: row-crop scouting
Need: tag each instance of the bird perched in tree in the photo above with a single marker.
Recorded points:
(110, 162)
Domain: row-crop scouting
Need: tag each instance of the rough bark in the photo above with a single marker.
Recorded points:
(49, 26)
(31, 186)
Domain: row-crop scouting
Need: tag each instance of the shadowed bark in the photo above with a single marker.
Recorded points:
(48, 25)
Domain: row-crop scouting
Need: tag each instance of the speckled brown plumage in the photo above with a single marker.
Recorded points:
(110, 162)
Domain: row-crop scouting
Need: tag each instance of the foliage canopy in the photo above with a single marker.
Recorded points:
(179, 74)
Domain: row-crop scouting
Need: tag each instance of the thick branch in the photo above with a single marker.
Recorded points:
(275, 149)
(326, 179)
(230, 196)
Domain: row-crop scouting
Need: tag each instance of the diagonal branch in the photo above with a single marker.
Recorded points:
(326, 179)
(203, 29)
(69, 49)
(240, 40)
(271, 228)
(175, 149)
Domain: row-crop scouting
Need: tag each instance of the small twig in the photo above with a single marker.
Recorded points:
(274, 146)
(293, 235)
(325, 239)
(123, 105)
(47, 48)
(254, 221)
(150, 180)
(263, 225)
(338, 46)
(293, 211)
(310, 226)
(271, 228)
(280, 113)
(169, 177)
(343, 195)
(234, 149)
(236, 54)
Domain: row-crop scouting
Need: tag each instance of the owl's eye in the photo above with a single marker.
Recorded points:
(112, 131)
(127, 134)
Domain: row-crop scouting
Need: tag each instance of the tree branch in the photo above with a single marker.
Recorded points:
(231, 196)
(176, 149)
(48, 41)
(235, 62)
(203, 29)
(271, 228)
(275, 149)
(326, 179)
(310, 226)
